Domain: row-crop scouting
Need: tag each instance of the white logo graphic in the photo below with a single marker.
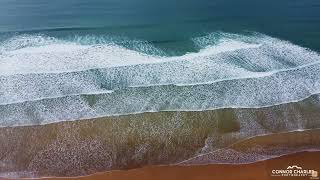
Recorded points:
(295, 171)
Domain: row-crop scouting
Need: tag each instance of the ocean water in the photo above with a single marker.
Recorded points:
(119, 84)
(166, 24)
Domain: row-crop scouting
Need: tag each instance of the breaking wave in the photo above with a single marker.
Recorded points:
(44, 79)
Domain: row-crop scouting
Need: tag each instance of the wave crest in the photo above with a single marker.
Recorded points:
(37, 67)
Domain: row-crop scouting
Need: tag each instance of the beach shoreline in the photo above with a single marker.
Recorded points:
(299, 148)
(261, 170)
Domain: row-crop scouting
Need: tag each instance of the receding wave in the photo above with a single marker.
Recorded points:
(260, 148)
(123, 142)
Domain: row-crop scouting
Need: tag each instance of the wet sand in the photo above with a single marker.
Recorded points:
(255, 171)
(58, 163)
(270, 146)
(80, 148)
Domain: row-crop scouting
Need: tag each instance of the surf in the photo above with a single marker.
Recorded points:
(283, 87)
(39, 67)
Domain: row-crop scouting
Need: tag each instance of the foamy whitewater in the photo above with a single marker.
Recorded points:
(44, 79)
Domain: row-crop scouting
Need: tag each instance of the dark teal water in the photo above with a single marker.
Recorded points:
(169, 24)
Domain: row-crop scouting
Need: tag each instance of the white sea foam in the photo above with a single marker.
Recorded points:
(48, 55)
(282, 87)
(38, 67)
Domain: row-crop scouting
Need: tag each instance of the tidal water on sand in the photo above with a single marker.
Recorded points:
(88, 86)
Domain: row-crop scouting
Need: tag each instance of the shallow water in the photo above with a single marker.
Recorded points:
(123, 142)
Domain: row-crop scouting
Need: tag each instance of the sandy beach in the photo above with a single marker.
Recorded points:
(302, 148)
(255, 171)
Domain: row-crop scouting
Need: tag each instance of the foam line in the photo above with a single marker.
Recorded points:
(59, 56)
(27, 61)
(282, 87)
(37, 54)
